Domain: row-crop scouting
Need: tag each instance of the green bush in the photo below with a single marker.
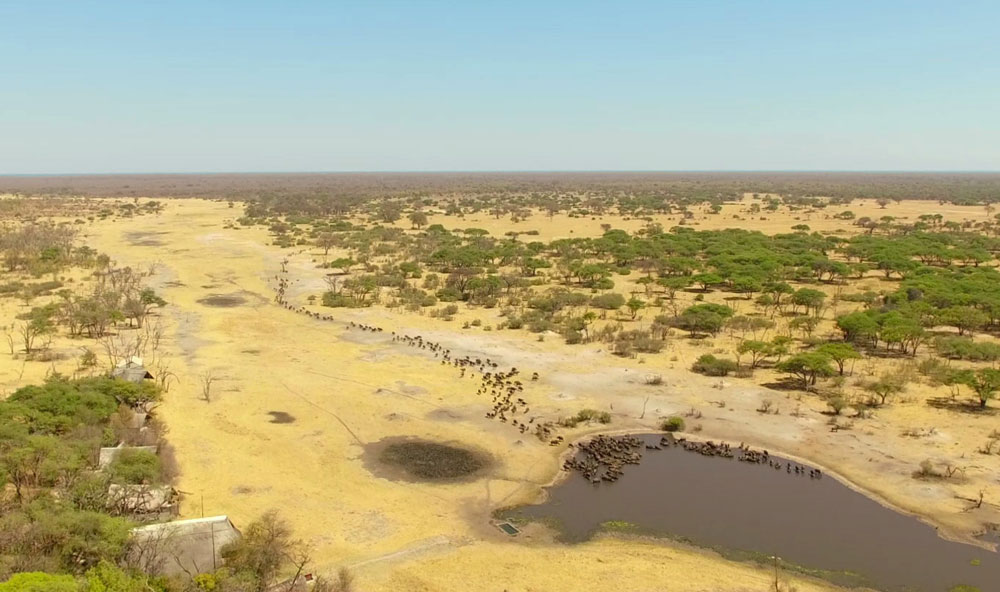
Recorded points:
(964, 348)
(710, 365)
(337, 300)
(135, 466)
(585, 415)
(59, 406)
(65, 538)
(673, 424)
(37, 581)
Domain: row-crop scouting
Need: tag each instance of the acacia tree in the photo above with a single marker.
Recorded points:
(886, 386)
(840, 353)
(139, 306)
(808, 367)
(809, 299)
(418, 219)
(344, 264)
(326, 241)
(703, 318)
(34, 324)
(634, 305)
(964, 318)
(389, 211)
(985, 382)
(707, 280)
(759, 351)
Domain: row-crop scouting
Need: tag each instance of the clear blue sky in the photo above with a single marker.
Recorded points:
(145, 86)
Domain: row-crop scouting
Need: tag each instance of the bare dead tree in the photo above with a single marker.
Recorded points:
(343, 583)
(207, 380)
(119, 347)
(154, 357)
(299, 555)
(9, 333)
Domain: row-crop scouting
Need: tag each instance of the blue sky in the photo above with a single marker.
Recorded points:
(142, 86)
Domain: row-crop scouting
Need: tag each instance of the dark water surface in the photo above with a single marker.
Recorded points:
(819, 524)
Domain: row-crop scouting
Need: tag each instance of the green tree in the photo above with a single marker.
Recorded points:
(389, 211)
(840, 353)
(135, 467)
(964, 318)
(807, 366)
(758, 350)
(985, 382)
(344, 264)
(885, 386)
(857, 326)
(36, 323)
(418, 219)
(746, 285)
(634, 306)
(326, 241)
(811, 300)
(703, 318)
(707, 280)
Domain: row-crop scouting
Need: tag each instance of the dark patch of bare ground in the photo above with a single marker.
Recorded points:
(223, 300)
(444, 415)
(415, 459)
(145, 239)
(281, 417)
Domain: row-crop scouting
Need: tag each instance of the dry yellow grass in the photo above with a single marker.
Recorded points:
(346, 388)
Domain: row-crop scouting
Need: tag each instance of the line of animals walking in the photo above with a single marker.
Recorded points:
(504, 388)
(603, 458)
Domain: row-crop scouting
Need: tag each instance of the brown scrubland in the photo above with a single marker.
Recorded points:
(292, 323)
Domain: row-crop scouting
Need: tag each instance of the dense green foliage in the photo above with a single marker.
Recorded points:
(59, 520)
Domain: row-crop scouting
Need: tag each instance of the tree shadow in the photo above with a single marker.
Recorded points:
(786, 384)
(970, 406)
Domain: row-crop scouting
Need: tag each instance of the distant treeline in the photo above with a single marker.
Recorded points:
(962, 188)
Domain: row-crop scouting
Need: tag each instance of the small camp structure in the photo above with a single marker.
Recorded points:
(131, 370)
(183, 546)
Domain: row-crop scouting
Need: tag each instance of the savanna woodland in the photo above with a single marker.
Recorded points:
(250, 346)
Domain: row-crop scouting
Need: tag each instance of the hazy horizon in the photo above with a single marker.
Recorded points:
(507, 171)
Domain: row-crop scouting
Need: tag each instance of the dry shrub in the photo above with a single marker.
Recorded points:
(170, 469)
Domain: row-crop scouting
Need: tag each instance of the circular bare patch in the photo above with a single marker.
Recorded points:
(414, 459)
(223, 300)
